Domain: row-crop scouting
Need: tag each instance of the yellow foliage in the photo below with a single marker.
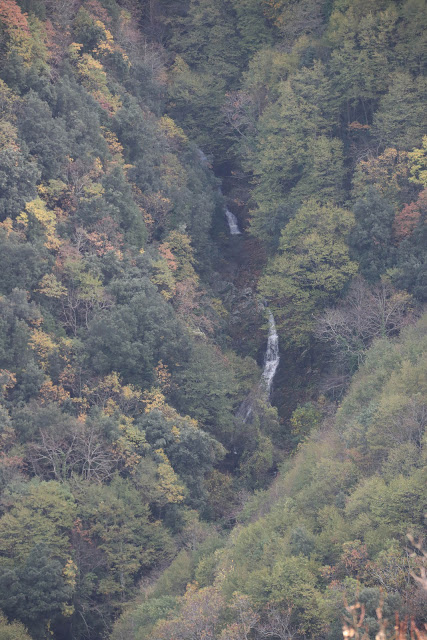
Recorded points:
(387, 172)
(176, 433)
(110, 395)
(163, 278)
(50, 392)
(22, 219)
(52, 191)
(36, 210)
(154, 399)
(74, 50)
(70, 572)
(172, 130)
(168, 480)
(8, 102)
(94, 78)
(131, 444)
(93, 190)
(162, 374)
(43, 345)
(51, 287)
(8, 136)
(114, 146)
(7, 380)
(7, 225)
(418, 164)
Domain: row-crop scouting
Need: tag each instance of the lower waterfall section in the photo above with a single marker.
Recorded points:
(272, 357)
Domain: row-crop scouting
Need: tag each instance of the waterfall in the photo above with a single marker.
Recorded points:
(272, 357)
(231, 218)
(203, 158)
(271, 361)
(232, 223)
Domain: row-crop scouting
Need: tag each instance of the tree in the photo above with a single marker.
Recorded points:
(22, 264)
(41, 513)
(120, 527)
(12, 631)
(198, 618)
(37, 592)
(142, 619)
(208, 39)
(133, 337)
(189, 450)
(44, 136)
(204, 389)
(387, 173)
(371, 237)
(195, 102)
(290, 147)
(18, 179)
(400, 119)
(365, 314)
(292, 584)
(66, 447)
(295, 19)
(408, 219)
(313, 265)
(418, 164)
(252, 26)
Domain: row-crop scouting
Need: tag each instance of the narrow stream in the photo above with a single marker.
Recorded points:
(272, 357)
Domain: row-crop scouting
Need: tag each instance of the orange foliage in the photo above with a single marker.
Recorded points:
(97, 10)
(163, 376)
(165, 251)
(50, 392)
(408, 218)
(14, 24)
(12, 17)
(357, 126)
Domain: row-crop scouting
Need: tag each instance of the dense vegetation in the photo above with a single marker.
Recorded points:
(136, 503)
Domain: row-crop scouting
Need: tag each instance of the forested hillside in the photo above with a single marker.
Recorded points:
(151, 487)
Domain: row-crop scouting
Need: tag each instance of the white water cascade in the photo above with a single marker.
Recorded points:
(271, 362)
(231, 218)
(272, 357)
(203, 158)
(232, 223)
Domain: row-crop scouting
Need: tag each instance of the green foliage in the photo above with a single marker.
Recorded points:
(304, 419)
(291, 160)
(36, 593)
(43, 135)
(176, 577)
(12, 631)
(18, 178)
(40, 513)
(119, 386)
(205, 389)
(135, 336)
(312, 266)
(140, 621)
(400, 119)
(372, 234)
(338, 511)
